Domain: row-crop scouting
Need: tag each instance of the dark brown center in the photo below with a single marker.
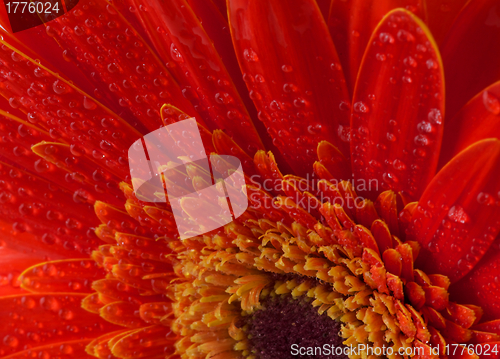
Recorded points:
(292, 328)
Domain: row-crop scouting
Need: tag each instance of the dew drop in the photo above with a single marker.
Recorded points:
(435, 116)
(458, 215)
(421, 140)
(380, 57)
(485, 198)
(407, 79)
(390, 178)
(386, 38)
(344, 106)
(431, 64)
(88, 103)
(424, 127)
(404, 35)
(286, 68)
(60, 87)
(175, 53)
(399, 165)
(250, 55)
(491, 103)
(361, 107)
(11, 341)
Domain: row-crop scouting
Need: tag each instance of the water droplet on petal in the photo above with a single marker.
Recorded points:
(60, 87)
(435, 116)
(404, 35)
(485, 198)
(458, 215)
(88, 103)
(386, 38)
(250, 55)
(491, 102)
(361, 107)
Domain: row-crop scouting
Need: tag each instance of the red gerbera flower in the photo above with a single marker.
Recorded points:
(378, 233)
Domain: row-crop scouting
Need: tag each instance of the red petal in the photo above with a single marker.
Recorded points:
(118, 220)
(461, 315)
(415, 294)
(440, 16)
(482, 337)
(457, 218)
(293, 74)
(150, 342)
(59, 313)
(61, 350)
(268, 168)
(366, 213)
(481, 287)
(39, 207)
(95, 179)
(474, 122)
(382, 235)
(456, 333)
(398, 107)
(298, 214)
(123, 314)
(182, 42)
(351, 24)
(67, 113)
(121, 64)
(492, 326)
(386, 206)
(334, 162)
(393, 261)
(73, 275)
(436, 297)
(470, 57)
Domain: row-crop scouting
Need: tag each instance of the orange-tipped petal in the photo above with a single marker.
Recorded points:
(72, 275)
(460, 220)
(398, 107)
(279, 67)
(334, 161)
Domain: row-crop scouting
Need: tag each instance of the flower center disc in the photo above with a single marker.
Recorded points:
(284, 324)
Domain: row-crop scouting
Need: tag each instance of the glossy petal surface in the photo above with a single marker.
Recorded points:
(61, 314)
(193, 59)
(397, 112)
(294, 75)
(456, 224)
(474, 122)
(481, 287)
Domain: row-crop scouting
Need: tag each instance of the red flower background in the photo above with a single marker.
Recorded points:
(345, 90)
